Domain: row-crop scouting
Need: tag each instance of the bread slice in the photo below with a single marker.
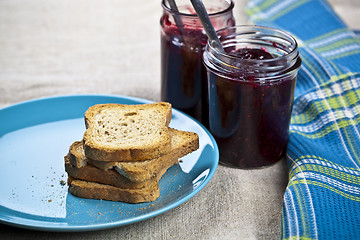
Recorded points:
(109, 177)
(92, 190)
(119, 132)
(76, 155)
(182, 143)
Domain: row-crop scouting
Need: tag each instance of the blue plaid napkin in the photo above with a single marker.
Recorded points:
(322, 199)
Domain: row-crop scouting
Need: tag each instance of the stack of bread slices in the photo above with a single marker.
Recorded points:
(125, 151)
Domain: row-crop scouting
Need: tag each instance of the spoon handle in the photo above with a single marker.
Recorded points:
(205, 21)
(177, 18)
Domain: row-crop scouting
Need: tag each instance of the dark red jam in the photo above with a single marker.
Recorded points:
(249, 119)
(245, 53)
(183, 75)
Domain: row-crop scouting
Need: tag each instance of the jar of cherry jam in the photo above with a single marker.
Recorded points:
(183, 40)
(251, 90)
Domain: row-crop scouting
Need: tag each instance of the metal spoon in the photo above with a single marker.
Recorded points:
(205, 21)
(177, 18)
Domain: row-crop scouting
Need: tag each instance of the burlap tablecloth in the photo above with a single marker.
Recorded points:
(113, 47)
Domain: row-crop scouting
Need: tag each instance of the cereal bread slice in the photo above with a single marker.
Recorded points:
(109, 177)
(120, 132)
(182, 143)
(76, 155)
(92, 190)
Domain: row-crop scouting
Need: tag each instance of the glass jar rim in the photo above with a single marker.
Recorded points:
(225, 10)
(268, 69)
(284, 33)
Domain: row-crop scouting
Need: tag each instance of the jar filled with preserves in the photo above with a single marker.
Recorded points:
(183, 40)
(251, 91)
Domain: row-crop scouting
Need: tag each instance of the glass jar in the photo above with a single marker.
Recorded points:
(251, 91)
(183, 40)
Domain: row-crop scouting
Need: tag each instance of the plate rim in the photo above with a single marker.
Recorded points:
(56, 227)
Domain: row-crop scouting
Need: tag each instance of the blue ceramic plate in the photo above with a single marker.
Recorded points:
(35, 136)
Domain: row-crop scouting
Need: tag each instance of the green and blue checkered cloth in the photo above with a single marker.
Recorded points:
(322, 199)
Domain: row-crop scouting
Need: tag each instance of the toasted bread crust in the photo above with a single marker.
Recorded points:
(182, 143)
(93, 190)
(141, 171)
(76, 155)
(154, 144)
(109, 177)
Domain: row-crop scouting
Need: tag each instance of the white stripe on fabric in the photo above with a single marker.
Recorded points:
(325, 119)
(309, 204)
(337, 89)
(338, 131)
(324, 64)
(323, 163)
(349, 113)
(278, 7)
(303, 101)
(330, 181)
(342, 50)
(354, 82)
(254, 3)
(329, 40)
(293, 214)
(298, 107)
